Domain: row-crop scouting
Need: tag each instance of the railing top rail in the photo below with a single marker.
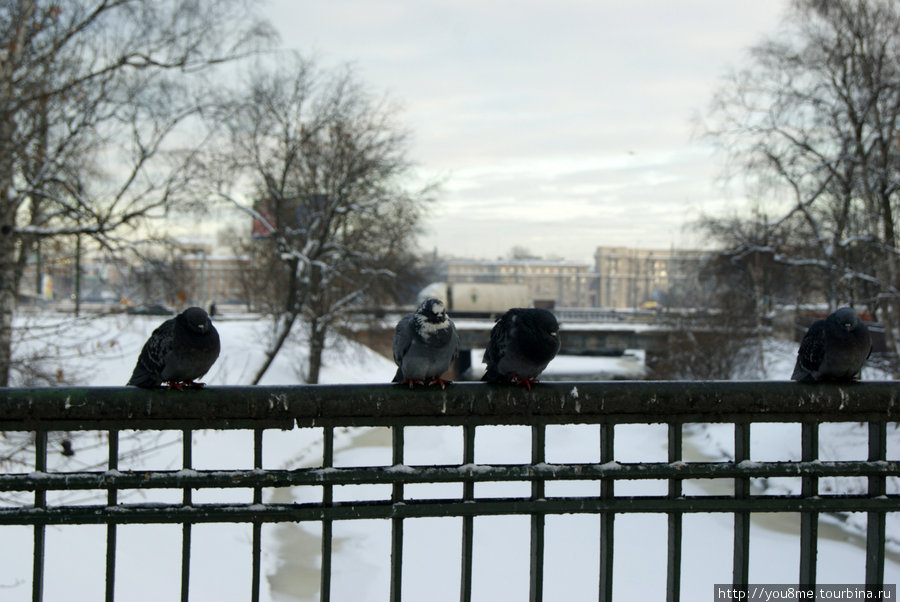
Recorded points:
(84, 408)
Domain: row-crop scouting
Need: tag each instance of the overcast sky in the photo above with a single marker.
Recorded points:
(555, 126)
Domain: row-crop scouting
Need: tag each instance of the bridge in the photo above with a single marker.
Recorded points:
(585, 338)
(597, 333)
(580, 339)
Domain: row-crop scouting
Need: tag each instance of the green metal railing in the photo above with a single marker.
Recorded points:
(469, 405)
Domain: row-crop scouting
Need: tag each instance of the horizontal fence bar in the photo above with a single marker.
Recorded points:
(439, 474)
(462, 403)
(469, 405)
(247, 513)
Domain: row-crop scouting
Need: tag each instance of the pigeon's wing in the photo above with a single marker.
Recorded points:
(152, 360)
(403, 337)
(454, 342)
(811, 352)
(496, 349)
(497, 344)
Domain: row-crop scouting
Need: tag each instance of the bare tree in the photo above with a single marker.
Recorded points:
(336, 214)
(722, 338)
(755, 266)
(161, 279)
(93, 95)
(815, 116)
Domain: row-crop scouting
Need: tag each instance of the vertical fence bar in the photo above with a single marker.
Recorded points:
(536, 588)
(607, 519)
(673, 559)
(187, 463)
(111, 500)
(257, 526)
(327, 532)
(741, 570)
(809, 521)
(875, 520)
(397, 523)
(465, 581)
(40, 501)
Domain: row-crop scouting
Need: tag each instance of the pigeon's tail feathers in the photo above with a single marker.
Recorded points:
(801, 374)
(403, 337)
(492, 376)
(398, 378)
(141, 377)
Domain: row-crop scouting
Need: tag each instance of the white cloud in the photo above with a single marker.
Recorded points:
(574, 114)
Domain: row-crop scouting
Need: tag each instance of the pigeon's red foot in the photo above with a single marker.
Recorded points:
(411, 383)
(439, 381)
(527, 382)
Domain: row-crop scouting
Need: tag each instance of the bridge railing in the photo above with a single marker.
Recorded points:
(323, 410)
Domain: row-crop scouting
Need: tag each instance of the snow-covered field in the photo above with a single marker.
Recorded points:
(102, 352)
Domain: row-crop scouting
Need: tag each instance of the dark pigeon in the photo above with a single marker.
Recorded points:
(833, 349)
(178, 352)
(425, 345)
(523, 341)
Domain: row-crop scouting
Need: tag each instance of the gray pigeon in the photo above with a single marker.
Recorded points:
(523, 341)
(178, 352)
(833, 349)
(425, 345)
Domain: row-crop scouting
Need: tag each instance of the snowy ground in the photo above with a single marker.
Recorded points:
(102, 352)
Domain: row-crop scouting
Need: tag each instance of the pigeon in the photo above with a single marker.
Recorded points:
(67, 449)
(178, 352)
(523, 341)
(833, 349)
(425, 344)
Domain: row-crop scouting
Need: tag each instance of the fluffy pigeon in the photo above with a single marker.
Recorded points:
(833, 349)
(178, 352)
(425, 344)
(523, 341)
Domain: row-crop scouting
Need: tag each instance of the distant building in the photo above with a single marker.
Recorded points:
(555, 282)
(53, 279)
(218, 278)
(621, 277)
(631, 278)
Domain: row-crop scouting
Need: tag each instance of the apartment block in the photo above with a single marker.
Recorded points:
(632, 278)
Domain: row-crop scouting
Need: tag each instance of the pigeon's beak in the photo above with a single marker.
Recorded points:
(553, 334)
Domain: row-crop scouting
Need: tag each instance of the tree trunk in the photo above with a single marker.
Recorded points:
(756, 273)
(8, 259)
(7, 292)
(889, 316)
(892, 307)
(317, 333)
(286, 321)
